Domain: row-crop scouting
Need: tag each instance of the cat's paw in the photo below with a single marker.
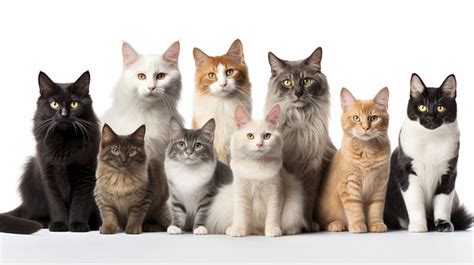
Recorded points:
(200, 230)
(273, 231)
(236, 231)
(377, 227)
(336, 226)
(174, 230)
(444, 226)
(133, 229)
(79, 227)
(358, 228)
(152, 227)
(417, 227)
(108, 229)
(58, 227)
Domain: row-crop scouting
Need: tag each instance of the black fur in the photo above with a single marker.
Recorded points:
(57, 185)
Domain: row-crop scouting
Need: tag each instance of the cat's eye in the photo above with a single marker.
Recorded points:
(441, 109)
(132, 152)
(198, 146)
(229, 72)
(211, 75)
(307, 81)
(287, 83)
(181, 144)
(74, 104)
(115, 150)
(250, 136)
(373, 118)
(141, 76)
(422, 108)
(356, 118)
(160, 76)
(267, 136)
(54, 105)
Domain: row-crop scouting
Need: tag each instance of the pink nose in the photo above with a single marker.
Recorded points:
(223, 85)
(259, 145)
(151, 88)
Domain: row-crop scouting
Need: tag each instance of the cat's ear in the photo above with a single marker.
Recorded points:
(129, 55)
(276, 64)
(315, 57)
(139, 134)
(347, 99)
(46, 85)
(82, 83)
(176, 130)
(108, 134)
(208, 129)
(416, 85)
(449, 86)
(381, 99)
(242, 117)
(172, 53)
(236, 51)
(200, 58)
(273, 117)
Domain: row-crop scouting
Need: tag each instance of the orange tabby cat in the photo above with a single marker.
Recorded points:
(352, 194)
(222, 83)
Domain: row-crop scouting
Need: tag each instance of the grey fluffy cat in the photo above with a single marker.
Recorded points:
(129, 193)
(194, 176)
(302, 91)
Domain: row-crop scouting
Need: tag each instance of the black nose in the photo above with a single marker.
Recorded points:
(298, 92)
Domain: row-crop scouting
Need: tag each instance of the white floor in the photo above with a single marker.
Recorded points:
(392, 247)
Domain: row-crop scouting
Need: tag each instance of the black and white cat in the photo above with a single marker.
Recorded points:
(421, 190)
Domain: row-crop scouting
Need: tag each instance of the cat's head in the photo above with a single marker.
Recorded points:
(298, 84)
(222, 75)
(432, 106)
(123, 151)
(151, 77)
(365, 119)
(191, 146)
(255, 138)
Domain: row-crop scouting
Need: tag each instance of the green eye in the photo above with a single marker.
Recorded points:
(160, 76)
(441, 109)
(373, 118)
(356, 118)
(132, 152)
(287, 83)
(307, 81)
(74, 105)
(250, 136)
(198, 146)
(181, 144)
(54, 105)
(115, 151)
(211, 75)
(267, 136)
(422, 108)
(229, 72)
(141, 76)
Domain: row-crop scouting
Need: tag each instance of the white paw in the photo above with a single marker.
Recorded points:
(174, 230)
(236, 232)
(417, 227)
(273, 231)
(200, 230)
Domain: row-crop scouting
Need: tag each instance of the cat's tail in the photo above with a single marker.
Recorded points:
(10, 223)
(461, 219)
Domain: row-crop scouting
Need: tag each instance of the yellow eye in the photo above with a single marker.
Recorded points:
(373, 118)
(441, 109)
(356, 118)
(307, 81)
(74, 104)
(54, 105)
(267, 136)
(229, 72)
(212, 75)
(115, 151)
(250, 136)
(132, 152)
(160, 76)
(287, 83)
(141, 76)
(422, 108)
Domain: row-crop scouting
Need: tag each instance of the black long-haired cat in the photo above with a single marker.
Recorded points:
(57, 185)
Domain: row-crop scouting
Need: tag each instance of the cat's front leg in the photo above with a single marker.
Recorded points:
(351, 198)
(56, 204)
(242, 209)
(443, 202)
(375, 207)
(201, 215)
(274, 210)
(109, 219)
(82, 204)
(415, 203)
(178, 218)
(136, 215)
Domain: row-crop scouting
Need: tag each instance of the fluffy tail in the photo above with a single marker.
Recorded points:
(9, 223)
(461, 219)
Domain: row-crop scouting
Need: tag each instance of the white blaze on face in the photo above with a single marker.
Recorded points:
(223, 85)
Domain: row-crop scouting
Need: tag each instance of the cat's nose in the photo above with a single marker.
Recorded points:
(259, 145)
(64, 112)
(151, 88)
(223, 85)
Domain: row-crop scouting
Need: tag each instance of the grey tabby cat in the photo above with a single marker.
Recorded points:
(194, 176)
(302, 91)
(129, 193)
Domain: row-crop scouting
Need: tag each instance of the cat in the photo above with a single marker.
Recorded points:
(194, 176)
(302, 91)
(57, 185)
(222, 83)
(421, 192)
(266, 199)
(129, 195)
(352, 193)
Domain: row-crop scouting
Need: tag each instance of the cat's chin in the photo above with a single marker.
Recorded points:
(364, 137)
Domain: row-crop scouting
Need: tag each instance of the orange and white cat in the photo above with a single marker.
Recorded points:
(352, 194)
(222, 83)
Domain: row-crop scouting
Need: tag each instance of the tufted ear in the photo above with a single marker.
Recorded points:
(416, 86)
(46, 85)
(176, 130)
(107, 134)
(200, 58)
(236, 51)
(129, 55)
(172, 53)
(449, 86)
(315, 57)
(381, 99)
(276, 64)
(347, 99)
(208, 129)
(242, 117)
(273, 117)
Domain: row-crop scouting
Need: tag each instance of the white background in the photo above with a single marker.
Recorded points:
(366, 45)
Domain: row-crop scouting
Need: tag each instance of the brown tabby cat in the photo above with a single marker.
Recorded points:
(352, 194)
(129, 192)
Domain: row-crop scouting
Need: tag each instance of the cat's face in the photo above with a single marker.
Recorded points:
(257, 139)
(222, 75)
(365, 119)
(191, 146)
(120, 151)
(432, 107)
(298, 84)
(152, 77)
